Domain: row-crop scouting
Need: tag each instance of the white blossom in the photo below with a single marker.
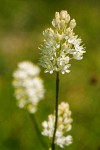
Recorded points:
(60, 44)
(63, 126)
(29, 88)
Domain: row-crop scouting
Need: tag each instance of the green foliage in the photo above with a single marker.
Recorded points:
(21, 26)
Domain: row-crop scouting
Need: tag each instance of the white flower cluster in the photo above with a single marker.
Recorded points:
(29, 89)
(60, 44)
(64, 125)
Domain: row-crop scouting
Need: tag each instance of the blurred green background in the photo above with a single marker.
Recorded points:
(21, 26)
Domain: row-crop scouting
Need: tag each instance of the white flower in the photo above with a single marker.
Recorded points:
(60, 44)
(29, 89)
(64, 125)
(26, 68)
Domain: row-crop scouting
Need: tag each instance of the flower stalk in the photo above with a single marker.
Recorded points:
(56, 110)
(44, 145)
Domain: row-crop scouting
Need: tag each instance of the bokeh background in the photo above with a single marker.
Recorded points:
(21, 26)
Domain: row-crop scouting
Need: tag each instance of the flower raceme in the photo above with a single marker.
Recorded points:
(29, 88)
(60, 44)
(63, 126)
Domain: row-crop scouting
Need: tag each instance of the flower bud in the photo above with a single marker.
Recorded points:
(72, 24)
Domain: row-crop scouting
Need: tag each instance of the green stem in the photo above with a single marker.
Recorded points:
(44, 145)
(56, 111)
